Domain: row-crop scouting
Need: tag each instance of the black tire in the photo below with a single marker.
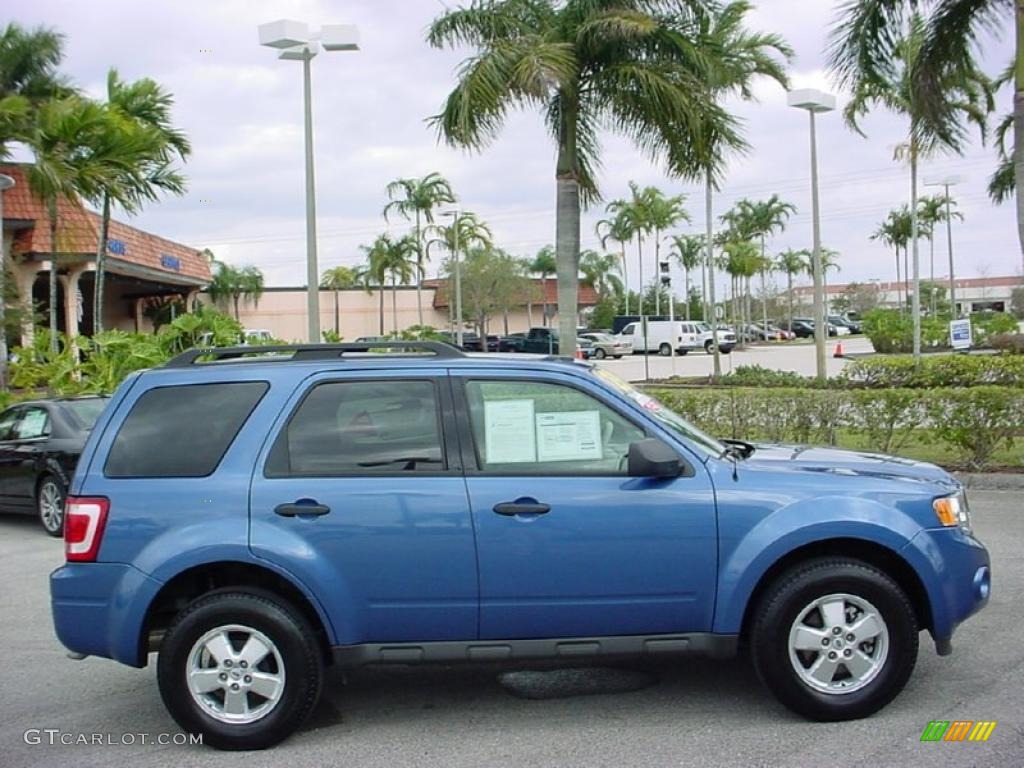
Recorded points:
(600, 354)
(665, 350)
(725, 350)
(785, 601)
(49, 491)
(682, 352)
(279, 622)
(709, 347)
(618, 357)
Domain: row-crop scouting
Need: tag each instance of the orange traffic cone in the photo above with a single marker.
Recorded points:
(839, 349)
(579, 353)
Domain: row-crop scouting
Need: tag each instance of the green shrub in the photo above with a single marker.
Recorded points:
(891, 331)
(1010, 343)
(933, 371)
(985, 325)
(759, 376)
(973, 421)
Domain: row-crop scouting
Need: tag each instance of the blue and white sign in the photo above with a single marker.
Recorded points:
(116, 247)
(170, 262)
(960, 334)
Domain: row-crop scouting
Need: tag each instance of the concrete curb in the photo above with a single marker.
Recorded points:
(991, 481)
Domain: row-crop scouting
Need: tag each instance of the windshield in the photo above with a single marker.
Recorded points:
(664, 415)
(87, 410)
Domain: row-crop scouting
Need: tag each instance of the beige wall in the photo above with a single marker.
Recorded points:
(283, 313)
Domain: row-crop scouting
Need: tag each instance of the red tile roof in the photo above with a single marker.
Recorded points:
(586, 296)
(78, 234)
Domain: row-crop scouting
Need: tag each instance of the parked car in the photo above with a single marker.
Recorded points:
(585, 348)
(471, 343)
(664, 336)
(40, 442)
(514, 342)
(726, 338)
(759, 332)
(808, 323)
(359, 508)
(541, 341)
(802, 329)
(606, 345)
(843, 321)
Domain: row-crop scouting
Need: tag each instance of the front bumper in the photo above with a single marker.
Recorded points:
(99, 609)
(956, 573)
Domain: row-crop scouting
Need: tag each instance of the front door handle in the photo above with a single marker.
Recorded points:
(521, 507)
(299, 509)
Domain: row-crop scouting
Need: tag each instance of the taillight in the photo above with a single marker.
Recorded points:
(84, 520)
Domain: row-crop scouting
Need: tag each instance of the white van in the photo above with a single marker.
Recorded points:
(662, 336)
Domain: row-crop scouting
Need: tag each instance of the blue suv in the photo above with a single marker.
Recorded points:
(255, 516)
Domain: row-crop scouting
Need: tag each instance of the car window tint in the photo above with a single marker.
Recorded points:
(35, 423)
(361, 427)
(7, 421)
(182, 431)
(628, 330)
(528, 427)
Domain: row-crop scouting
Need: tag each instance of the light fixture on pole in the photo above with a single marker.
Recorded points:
(6, 182)
(456, 216)
(297, 43)
(946, 182)
(815, 102)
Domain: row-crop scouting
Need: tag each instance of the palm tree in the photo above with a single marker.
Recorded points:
(664, 213)
(866, 45)
(636, 67)
(601, 271)
(338, 279)
(636, 217)
(742, 262)
(966, 94)
(765, 218)
(544, 264)
(688, 251)
(829, 260)
(235, 284)
(895, 232)
(28, 76)
(619, 228)
(932, 212)
(148, 143)
(741, 57)
(64, 135)
(417, 199)
(394, 260)
(791, 262)
(466, 231)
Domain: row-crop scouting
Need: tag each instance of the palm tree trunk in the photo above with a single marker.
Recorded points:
(709, 223)
(915, 303)
(764, 293)
(101, 257)
(419, 271)
(899, 297)
(380, 291)
(657, 272)
(544, 290)
(625, 276)
(52, 205)
(640, 258)
(235, 301)
(394, 303)
(529, 311)
(686, 289)
(789, 297)
(337, 315)
(567, 221)
(931, 258)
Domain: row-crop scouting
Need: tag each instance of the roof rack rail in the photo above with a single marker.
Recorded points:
(305, 352)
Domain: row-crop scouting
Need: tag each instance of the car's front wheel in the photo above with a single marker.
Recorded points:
(241, 668)
(834, 639)
(50, 505)
(600, 354)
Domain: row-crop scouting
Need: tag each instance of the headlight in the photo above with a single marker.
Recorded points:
(953, 510)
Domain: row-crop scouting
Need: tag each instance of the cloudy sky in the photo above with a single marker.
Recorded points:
(242, 108)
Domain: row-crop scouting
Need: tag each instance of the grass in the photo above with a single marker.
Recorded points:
(920, 448)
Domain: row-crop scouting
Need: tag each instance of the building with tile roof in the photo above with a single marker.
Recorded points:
(139, 266)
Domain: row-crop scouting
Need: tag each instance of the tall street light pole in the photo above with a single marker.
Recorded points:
(456, 216)
(298, 43)
(816, 102)
(6, 182)
(947, 182)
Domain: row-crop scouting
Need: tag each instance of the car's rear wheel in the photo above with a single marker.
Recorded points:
(50, 496)
(834, 639)
(241, 668)
(600, 354)
(665, 350)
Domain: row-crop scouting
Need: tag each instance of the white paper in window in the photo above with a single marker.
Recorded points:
(509, 435)
(569, 436)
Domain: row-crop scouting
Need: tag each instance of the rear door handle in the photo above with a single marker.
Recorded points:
(522, 507)
(297, 509)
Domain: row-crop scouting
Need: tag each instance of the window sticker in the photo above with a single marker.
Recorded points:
(569, 436)
(33, 423)
(509, 434)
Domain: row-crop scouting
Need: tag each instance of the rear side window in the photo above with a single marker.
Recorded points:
(361, 428)
(181, 431)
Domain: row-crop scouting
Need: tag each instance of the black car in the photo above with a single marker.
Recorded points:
(40, 442)
(471, 343)
(514, 342)
(802, 328)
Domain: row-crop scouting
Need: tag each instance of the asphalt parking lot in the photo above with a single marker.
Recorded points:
(681, 713)
(789, 356)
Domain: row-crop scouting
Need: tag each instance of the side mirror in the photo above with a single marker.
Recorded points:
(652, 458)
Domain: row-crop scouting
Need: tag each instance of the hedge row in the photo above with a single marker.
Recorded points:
(974, 422)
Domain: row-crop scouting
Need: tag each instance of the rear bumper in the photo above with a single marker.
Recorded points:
(99, 609)
(956, 572)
